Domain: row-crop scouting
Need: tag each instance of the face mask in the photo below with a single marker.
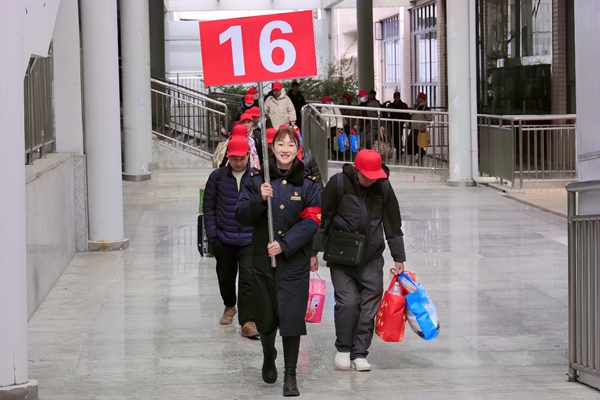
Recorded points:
(363, 99)
(249, 104)
(259, 126)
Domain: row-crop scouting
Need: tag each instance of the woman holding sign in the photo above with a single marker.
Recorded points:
(281, 293)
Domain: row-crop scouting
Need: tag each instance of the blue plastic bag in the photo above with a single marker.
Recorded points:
(421, 313)
(355, 143)
(343, 142)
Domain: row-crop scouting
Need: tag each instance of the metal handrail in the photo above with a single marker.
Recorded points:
(583, 292)
(516, 118)
(188, 92)
(394, 133)
(191, 103)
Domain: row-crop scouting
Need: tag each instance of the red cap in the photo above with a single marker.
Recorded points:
(255, 111)
(237, 147)
(271, 132)
(368, 162)
(325, 99)
(277, 85)
(239, 131)
(422, 95)
(348, 96)
(248, 98)
(362, 93)
(283, 126)
(246, 117)
(252, 91)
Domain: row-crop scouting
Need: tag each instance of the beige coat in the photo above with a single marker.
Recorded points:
(334, 116)
(281, 111)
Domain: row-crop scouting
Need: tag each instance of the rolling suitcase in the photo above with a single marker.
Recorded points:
(202, 241)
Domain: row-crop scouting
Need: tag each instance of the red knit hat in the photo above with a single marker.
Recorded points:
(239, 130)
(368, 162)
(255, 111)
(271, 132)
(237, 147)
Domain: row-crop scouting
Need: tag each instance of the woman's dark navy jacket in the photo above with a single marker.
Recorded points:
(219, 203)
(281, 291)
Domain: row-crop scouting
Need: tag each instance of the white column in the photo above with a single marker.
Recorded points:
(102, 124)
(587, 56)
(135, 62)
(67, 79)
(459, 93)
(13, 253)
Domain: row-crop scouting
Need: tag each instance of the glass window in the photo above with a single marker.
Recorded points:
(424, 47)
(391, 50)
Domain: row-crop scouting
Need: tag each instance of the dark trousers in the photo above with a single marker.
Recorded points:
(412, 148)
(357, 292)
(229, 260)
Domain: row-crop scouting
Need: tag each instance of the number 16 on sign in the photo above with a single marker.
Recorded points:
(263, 48)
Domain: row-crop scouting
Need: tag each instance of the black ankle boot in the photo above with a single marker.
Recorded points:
(290, 387)
(291, 347)
(269, 369)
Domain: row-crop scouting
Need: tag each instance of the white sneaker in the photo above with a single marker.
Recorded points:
(361, 364)
(342, 360)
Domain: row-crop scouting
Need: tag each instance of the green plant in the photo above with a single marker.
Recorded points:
(339, 78)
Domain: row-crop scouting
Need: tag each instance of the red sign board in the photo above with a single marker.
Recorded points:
(263, 48)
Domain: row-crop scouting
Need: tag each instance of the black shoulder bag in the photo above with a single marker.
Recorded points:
(345, 248)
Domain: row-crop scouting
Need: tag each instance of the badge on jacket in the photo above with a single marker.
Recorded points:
(295, 197)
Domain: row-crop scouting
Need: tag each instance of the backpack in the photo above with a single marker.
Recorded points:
(220, 153)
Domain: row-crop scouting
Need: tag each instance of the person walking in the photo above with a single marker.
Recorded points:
(360, 199)
(418, 125)
(298, 100)
(243, 108)
(397, 126)
(281, 293)
(231, 242)
(336, 123)
(279, 108)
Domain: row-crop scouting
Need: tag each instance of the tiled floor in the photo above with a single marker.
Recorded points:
(144, 323)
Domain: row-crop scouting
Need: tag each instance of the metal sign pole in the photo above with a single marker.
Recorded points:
(265, 166)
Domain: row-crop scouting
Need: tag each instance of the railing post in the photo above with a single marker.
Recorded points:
(43, 148)
(572, 274)
(520, 154)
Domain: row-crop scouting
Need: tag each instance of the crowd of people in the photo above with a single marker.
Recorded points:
(305, 215)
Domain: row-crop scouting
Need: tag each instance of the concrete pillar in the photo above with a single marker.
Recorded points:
(67, 79)
(364, 34)
(14, 380)
(102, 124)
(587, 31)
(157, 38)
(459, 92)
(135, 63)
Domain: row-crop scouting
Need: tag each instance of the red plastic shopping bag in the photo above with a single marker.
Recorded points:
(391, 318)
(316, 299)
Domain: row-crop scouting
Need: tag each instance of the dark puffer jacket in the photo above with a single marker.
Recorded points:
(352, 211)
(219, 203)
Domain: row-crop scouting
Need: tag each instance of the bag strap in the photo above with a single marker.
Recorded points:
(386, 192)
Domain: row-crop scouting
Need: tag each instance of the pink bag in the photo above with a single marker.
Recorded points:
(316, 300)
